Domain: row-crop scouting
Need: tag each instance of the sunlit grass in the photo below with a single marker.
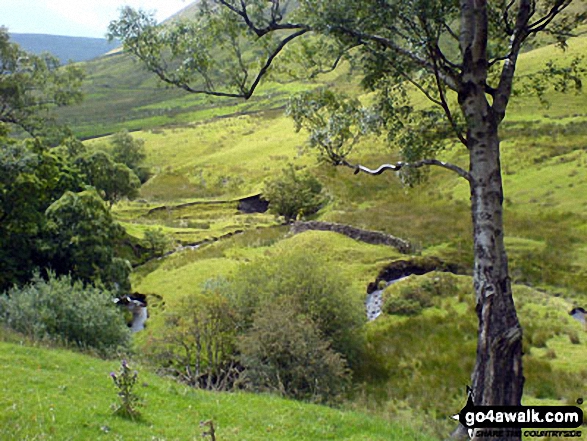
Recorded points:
(57, 395)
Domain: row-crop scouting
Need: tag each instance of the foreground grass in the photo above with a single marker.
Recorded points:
(52, 394)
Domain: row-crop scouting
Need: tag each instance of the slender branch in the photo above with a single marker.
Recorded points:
(399, 165)
(419, 87)
(245, 93)
(504, 89)
(270, 59)
(506, 18)
(273, 25)
(544, 21)
(336, 62)
(446, 107)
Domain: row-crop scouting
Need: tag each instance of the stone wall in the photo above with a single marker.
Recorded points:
(367, 236)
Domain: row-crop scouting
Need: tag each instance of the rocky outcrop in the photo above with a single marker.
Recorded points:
(367, 236)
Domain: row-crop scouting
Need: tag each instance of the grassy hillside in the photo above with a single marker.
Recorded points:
(416, 365)
(120, 93)
(209, 152)
(57, 395)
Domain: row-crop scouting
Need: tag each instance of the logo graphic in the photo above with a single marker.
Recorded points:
(495, 420)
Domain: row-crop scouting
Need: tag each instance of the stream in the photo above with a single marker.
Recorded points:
(138, 308)
(374, 300)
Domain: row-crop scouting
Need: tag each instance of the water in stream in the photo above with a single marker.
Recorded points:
(374, 300)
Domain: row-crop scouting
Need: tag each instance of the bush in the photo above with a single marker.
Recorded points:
(284, 352)
(294, 195)
(310, 283)
(197, 343)
(156, 242)
(62, 310)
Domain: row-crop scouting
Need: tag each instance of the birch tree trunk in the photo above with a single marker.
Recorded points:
(497, 378)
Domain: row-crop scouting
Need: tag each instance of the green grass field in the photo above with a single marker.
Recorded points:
(54, 394)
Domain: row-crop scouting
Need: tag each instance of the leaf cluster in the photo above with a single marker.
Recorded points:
(66, 311)
(32, 85)
(294, 194)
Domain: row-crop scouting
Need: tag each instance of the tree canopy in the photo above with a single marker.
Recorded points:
(31, 178)
(31, 85)
(46, 221)
(113, 180)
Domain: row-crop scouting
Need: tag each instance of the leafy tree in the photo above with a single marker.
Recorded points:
(113, 180)
(80, 240)
(131, 152)
(157, 242)
(32, 177)
(31, 85)
(293, 194)
(461, 55)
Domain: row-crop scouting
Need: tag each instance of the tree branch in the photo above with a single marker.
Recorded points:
(399, 165)
(504, 89)
(543, 22)
(245, 93)
(274, 24)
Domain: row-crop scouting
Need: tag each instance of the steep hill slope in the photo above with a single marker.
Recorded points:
(57, 395)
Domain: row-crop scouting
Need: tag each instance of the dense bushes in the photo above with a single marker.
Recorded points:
(197, 343)
(310, 283)
(290, 323)
(300, 326)
(285, 352)
(293, 194)
(64, 310)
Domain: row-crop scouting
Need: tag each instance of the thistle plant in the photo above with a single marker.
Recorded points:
(125, 381)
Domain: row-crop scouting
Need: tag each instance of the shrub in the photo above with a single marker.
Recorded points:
(310, 283)
(298, 324)
(284, 352)
(63, 310)
(157, 242)
(293, 194)
(197, 343)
